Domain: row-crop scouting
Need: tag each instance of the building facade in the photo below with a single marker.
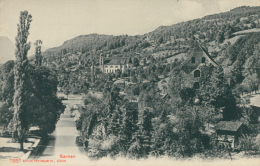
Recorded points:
(110, 65)
(191, 66)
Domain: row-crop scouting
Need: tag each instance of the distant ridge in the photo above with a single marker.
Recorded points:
(7, 49)
(207, 27)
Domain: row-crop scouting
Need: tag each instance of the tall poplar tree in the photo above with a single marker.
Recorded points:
(38, 56)
(21, 75)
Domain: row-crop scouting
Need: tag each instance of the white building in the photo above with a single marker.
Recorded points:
(110, 65)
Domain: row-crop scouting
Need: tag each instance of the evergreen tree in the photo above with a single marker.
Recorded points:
(114, 122)
(145, 129)
(21, 76)
(128, 127)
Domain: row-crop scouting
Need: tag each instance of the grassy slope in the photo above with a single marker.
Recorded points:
(247, 31)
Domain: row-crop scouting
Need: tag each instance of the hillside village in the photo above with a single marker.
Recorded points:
(181, 90)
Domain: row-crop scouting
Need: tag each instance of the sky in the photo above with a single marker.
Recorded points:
(55, 21)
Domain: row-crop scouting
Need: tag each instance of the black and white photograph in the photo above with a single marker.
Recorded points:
(130, 82)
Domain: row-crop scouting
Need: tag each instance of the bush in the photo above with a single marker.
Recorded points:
(79, 141)
(135, 150)
(100, 148)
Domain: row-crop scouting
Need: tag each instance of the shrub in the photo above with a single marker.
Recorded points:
(79, 141)
(135, 150)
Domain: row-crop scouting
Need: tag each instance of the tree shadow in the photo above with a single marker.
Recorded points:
(11, 149)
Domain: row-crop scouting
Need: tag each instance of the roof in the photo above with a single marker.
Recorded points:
(206, 53)
(228, 125)
(118, 61)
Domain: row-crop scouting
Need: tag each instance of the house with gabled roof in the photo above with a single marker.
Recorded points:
(228, 133)
(191, 66)
(110, 65)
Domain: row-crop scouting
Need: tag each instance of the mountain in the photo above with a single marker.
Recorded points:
(179, 37)
(82, 43)
(7, 49)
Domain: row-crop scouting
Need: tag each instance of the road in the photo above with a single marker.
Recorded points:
(62, 140)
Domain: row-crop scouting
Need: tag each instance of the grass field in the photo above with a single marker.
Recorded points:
(162, 53)
(212, 47)
(178, 56)
(247, 31)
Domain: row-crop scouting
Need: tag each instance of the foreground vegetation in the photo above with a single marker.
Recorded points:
(28, 90)
(176, 127)
(115, 125)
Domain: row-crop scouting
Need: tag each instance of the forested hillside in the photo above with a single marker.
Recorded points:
(217, 33)
(149, 111)
(217, 27)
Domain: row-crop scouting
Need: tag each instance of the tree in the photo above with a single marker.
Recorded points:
(6, 115)
(21, 77)
(215, 91)
(118, 73)
(7, 83)
(187, 95)
(6, 93)
(228, 34)
(153, 77)
(189, 125)
(174, 84)
(253, 62)
(127, 127)
(113, 99)
(38, 56)
(44, 107)
(253, 24)
(219, 37)
(114, 122)
(133, 79)
(145, 128)
(251, 82)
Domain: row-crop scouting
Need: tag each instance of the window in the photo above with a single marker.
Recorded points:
(105, 66)
(116, 66)
(111, 66)
(203, 59)
(193, 60)
(196, 85)
(196, 73)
